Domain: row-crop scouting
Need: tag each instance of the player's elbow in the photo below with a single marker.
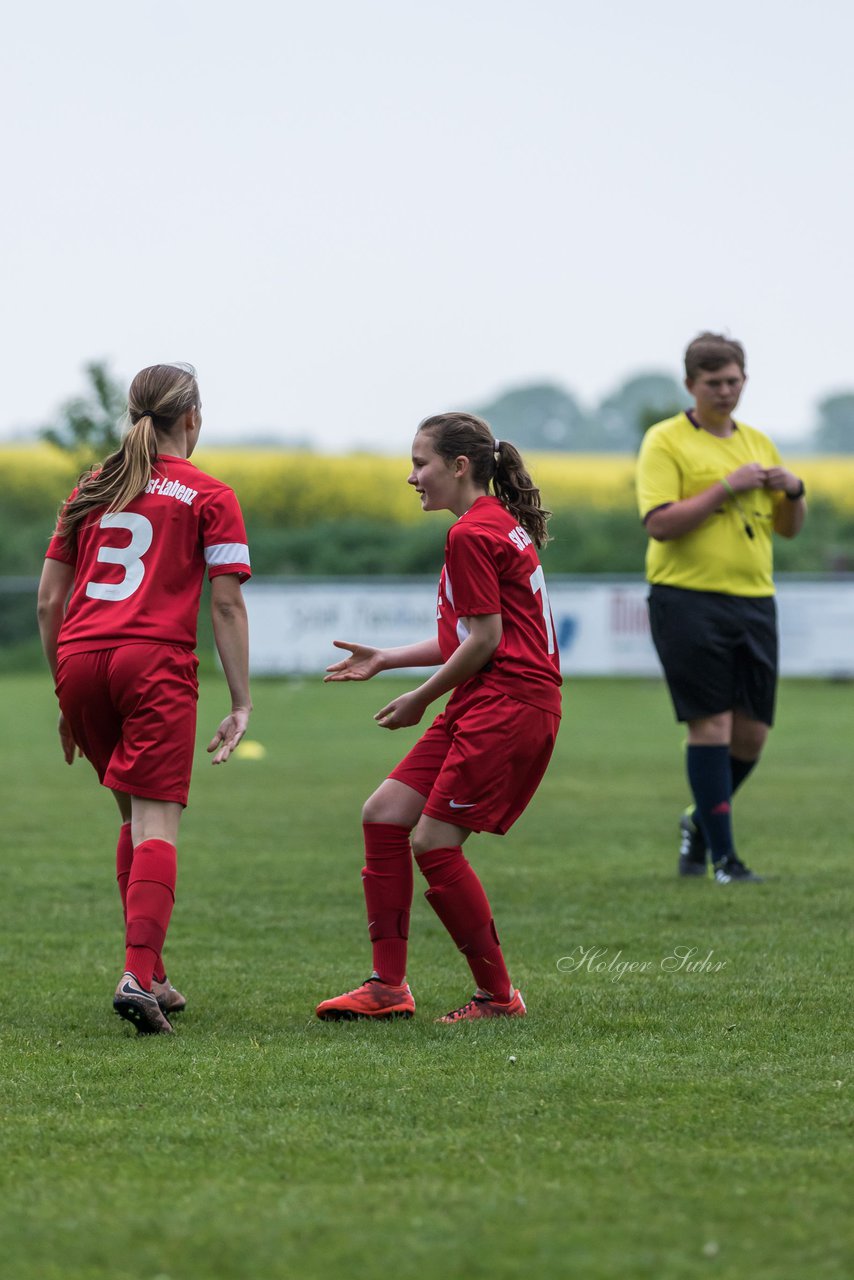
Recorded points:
(227, 611)
(49, 606)
(789, 524)
(227, 601)
(485, 656)
(657, 530)
(659, 524)
(486, 635)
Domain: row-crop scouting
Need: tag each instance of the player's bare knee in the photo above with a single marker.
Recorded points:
(428, 835)
(421, 841)
(711, 730)
(372, 809)
(748, 739)
(382, 807)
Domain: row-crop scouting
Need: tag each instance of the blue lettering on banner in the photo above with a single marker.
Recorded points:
(566, 630)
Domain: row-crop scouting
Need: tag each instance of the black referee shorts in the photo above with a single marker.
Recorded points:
(719, 652)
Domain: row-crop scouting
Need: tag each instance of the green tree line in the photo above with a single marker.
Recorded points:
(534, 416)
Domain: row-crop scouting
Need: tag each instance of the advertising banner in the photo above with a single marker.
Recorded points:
(601, 627)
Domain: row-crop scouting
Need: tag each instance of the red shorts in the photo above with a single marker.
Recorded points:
(132, 711)
(480, 770)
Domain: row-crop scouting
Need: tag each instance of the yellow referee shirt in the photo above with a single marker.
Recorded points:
(678, 460)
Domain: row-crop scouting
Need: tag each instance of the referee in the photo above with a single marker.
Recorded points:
(711, 493)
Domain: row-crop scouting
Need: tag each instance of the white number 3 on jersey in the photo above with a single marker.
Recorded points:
(129, 557)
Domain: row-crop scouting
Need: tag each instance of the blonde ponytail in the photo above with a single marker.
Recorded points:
(134, 473)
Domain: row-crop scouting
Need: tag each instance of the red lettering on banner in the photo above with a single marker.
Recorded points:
(628, 615)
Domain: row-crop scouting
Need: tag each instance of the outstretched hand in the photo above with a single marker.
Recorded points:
(362, 663)
(228, 735)
(66, 740)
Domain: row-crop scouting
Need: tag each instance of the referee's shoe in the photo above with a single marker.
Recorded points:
(733, 871)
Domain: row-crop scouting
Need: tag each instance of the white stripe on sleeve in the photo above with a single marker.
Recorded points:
(227, 553)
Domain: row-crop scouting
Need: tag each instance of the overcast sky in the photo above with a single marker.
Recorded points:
(351, 213)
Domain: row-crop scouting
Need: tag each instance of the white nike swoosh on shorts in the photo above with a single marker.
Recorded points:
(454, 805)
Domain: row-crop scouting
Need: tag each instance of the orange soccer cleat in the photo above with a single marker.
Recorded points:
(373, 999)
(482, 1005)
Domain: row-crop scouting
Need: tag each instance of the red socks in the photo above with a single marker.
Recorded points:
(457, 897)
(150, 898)
(455, 894)
(124, 861)
(387, 881)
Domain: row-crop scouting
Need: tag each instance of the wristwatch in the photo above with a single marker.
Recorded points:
(801, 490)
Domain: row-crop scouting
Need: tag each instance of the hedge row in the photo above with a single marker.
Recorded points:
(309, 514)
(583, 541)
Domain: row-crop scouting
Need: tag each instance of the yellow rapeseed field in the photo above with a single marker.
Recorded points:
(274, 484)
(284, 487)
(289, 487)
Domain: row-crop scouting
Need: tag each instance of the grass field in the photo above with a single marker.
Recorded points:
(662, 1124)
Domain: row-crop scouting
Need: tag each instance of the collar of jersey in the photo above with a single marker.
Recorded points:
(484, 497)
(697, 427)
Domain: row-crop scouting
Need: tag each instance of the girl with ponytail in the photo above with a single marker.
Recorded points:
(478, 765)
(158, 395)
(118, 605)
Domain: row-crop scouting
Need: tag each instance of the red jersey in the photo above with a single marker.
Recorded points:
(491, 566)
(138, 572)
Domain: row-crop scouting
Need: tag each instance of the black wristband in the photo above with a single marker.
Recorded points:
(793, 497)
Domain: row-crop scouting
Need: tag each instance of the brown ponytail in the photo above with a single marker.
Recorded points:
(492, 461)
(157, 398)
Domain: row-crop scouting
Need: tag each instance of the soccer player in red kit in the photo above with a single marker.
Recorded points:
(118, 605)
(480, 762)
